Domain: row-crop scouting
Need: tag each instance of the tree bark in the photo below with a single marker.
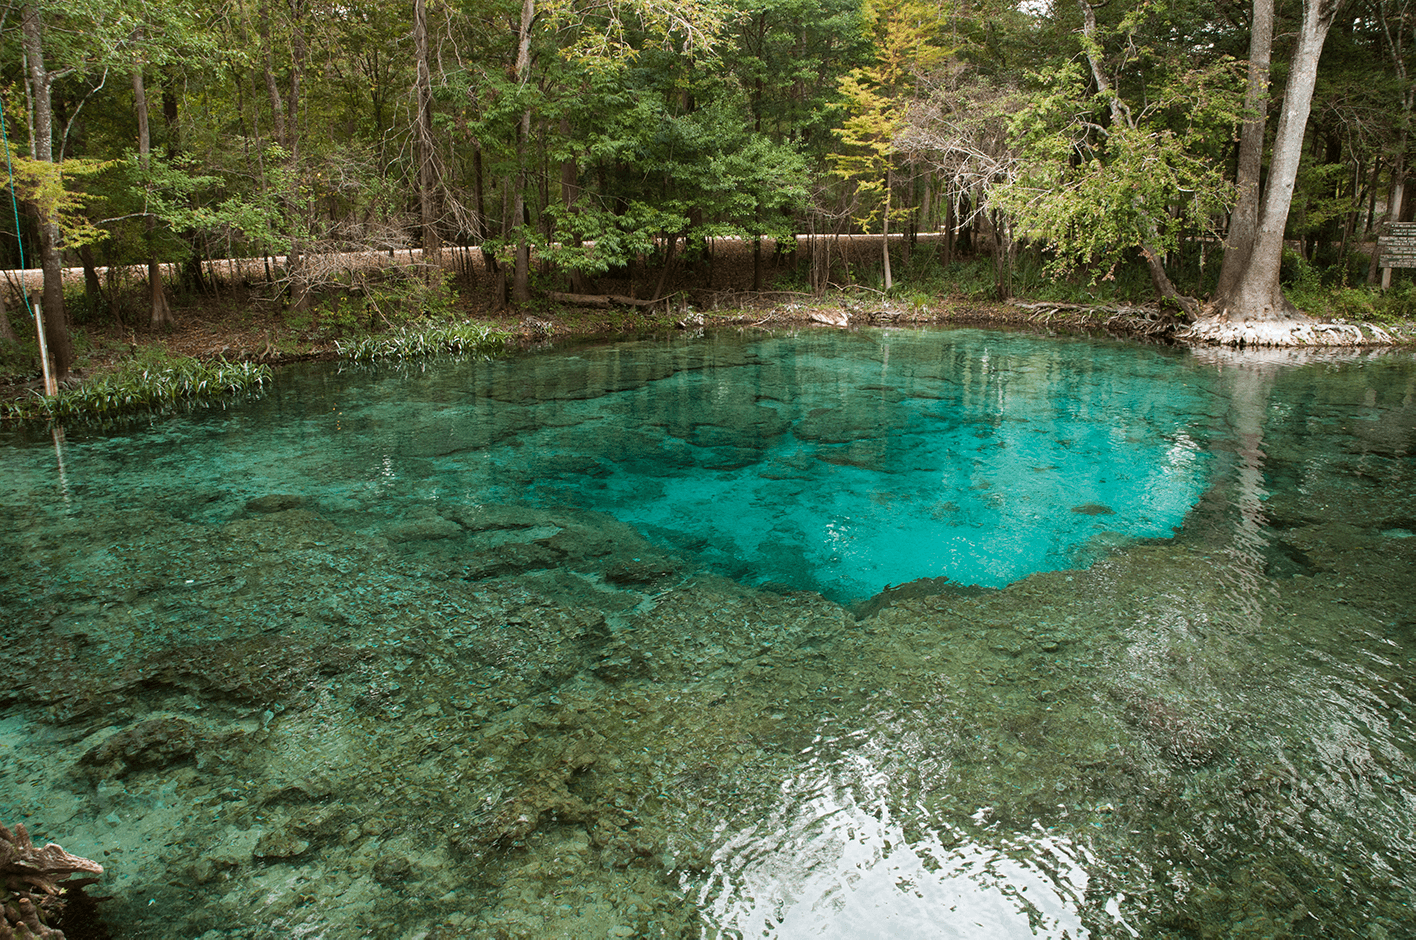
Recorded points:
(1244, 220)
(1254, 311)
(277, 103)
(56, 321)
(427, 169)
(521, 272)
(160, 313)
(7, 332)
(1396, 210)
(296, 263)
(570, 195)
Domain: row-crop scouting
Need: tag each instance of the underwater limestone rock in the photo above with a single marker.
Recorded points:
(642, 570)
(274, 846)
(511, 558)
(581, 543)
(255, 672)
(33, 884)
(158, 742)
(392, 870)
(480, 517)
(276, 502)
(912, 590)
(423, 526)
(545, 795)
(1178, 731)
(259, 670)
(709, 622)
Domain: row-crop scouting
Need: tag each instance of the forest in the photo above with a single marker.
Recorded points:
(1207, 148)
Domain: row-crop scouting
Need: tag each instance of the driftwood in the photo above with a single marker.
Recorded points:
(43, 868)
(31, 881)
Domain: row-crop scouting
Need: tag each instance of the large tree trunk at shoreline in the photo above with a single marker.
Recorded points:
(1244, 220)
(1254, 311)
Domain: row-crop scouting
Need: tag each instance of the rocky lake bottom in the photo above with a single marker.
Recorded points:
(486, 719)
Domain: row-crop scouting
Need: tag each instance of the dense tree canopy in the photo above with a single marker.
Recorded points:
(595, 137)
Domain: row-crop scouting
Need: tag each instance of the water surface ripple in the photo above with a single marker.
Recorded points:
(808, 634)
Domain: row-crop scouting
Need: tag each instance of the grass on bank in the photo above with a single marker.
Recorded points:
(399, 318)
(420, 340)
(152, 382)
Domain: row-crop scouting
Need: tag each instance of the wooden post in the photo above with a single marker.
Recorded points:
(51, 388)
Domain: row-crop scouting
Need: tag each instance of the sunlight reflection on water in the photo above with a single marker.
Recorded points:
(832, 860)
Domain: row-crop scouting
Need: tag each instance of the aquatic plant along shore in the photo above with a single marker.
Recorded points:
(397, 700)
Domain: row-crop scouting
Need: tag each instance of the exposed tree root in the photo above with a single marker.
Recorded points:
(1293, 331)
(1124, 319)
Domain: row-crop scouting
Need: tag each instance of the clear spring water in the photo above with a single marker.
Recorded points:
(887, 633)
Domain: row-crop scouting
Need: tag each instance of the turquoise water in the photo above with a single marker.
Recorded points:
(885, 633)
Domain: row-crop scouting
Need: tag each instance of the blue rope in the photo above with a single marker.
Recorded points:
(15, 204)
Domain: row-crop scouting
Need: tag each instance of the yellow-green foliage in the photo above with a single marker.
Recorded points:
(46, 186)
(1093, 189)
(877, 96)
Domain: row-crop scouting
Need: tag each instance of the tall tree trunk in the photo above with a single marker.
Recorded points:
(169, 117)
(277, 103)
(1255, 312)
(479, 197)
(1396, 208)
(521, 273)
(1396, 199)
(570, 195)
(1244, 220)
(7, 332)
(427, 172)
(949, 223)
(296, 263)
(160, 313)
(56, 321)
(1003, 254)
(885, 232)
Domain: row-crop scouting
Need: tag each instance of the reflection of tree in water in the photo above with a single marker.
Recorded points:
(1249, 383)
(1240, 670)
